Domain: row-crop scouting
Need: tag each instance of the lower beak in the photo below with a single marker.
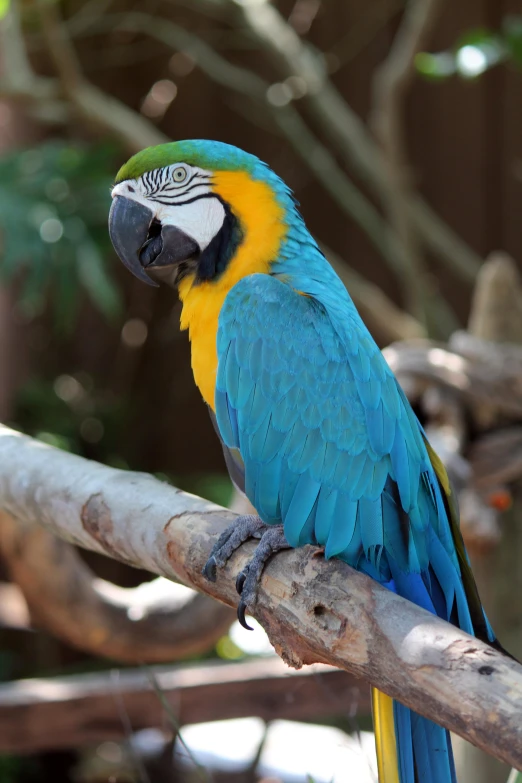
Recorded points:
(141, 247)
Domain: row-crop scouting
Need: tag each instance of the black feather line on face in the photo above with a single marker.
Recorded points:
(215, 258)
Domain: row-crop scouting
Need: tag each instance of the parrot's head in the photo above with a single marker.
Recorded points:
(183, 209)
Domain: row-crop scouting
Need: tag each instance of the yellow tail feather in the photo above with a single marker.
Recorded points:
(382, 707)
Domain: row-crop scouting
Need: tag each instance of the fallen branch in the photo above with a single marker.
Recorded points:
(313, 611)
(74, 711)
(156, 622)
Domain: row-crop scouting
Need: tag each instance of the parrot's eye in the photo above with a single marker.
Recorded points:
(179, 174)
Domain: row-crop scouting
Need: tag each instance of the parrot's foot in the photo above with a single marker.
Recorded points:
(272, 540)
(245, 527)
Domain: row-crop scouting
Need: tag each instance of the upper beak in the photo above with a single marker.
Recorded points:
(129, 225)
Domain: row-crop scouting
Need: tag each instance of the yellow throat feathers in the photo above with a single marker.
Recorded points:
(261, 218)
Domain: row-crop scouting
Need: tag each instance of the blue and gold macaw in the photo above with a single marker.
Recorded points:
(315, 428)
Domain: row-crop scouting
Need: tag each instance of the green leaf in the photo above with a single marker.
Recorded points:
(4, 8)
(515, 777)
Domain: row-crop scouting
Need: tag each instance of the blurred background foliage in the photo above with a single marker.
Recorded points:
(92, 361)
(57, 195)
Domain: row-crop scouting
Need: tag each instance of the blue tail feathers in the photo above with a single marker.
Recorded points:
(424, 751)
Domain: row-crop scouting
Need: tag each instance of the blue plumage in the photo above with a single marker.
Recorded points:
(333, 450)
(317, 431)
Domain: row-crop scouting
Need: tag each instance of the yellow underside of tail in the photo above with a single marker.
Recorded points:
(382, 707)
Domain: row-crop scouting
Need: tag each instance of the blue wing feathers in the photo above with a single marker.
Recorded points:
(243, 349)
(244, 389)
(308, 530)
(337, 417)
(300, 507)
(257, 411)
(325, 462)
(369, 392)
(391, 399)
(281, 383)
(360, 364)
(267, 502)
(258, 439)
(284, 416)
(372, 533)
(332, 448)
(342, 528)
(228, 420)
(325, 513)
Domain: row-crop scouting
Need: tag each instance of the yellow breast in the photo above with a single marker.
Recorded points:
(261, 218)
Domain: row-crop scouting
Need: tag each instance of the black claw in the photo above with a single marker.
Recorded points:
(210, 569)
(240, 581)
(241, 609)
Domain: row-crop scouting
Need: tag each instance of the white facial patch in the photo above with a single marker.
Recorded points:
(201, 220)
(188, 204)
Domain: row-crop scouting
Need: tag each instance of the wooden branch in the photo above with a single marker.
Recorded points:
(313, 611)
(490, 380)
(496, 311)
(152, 623)
(19, 82)
(390, 84)
(17, 73)
(74, 711)
(60, 47)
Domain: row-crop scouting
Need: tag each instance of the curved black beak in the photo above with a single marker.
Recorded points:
(142, 243)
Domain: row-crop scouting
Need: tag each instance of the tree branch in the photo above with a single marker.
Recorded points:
(390, 84)
(490, 378)
(16, 69)
(18, 81)
(156, 622)
(74, 711)
(313, 611)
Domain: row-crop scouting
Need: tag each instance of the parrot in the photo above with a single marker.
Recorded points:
(315, 428)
